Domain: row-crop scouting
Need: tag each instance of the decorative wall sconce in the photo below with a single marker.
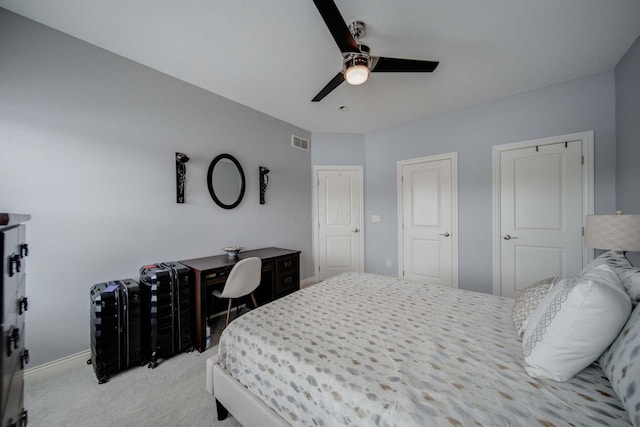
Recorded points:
(181, 175)
(264, 181)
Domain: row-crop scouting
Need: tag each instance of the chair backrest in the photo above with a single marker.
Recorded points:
(244, 278)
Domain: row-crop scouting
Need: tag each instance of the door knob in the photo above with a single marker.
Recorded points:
(509, 237)
(445, 234)
(356, 230)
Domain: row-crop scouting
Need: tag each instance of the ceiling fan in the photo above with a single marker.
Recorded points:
(357, 61)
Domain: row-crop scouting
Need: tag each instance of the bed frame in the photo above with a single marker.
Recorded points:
(232, 397)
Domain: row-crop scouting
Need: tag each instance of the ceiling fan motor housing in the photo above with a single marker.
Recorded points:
(363, 58)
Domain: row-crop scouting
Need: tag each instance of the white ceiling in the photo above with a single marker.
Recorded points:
(275, 55)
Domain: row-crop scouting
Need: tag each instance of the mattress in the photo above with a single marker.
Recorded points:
(369, 350)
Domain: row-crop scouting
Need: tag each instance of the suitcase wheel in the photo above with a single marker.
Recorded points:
(102, 380)
(152, 365)
(89, 362)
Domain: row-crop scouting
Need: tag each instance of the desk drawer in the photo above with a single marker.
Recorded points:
(287, 274)
(288, 263)
(217, 276)
(287, 282)
(267, 264)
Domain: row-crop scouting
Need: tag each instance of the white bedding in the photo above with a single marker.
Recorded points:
(362, 349)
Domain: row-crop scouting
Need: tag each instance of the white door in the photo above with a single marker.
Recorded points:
(427, 209)
(339, 213)
(541, 214)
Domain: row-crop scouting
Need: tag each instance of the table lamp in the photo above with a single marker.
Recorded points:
(613, 232)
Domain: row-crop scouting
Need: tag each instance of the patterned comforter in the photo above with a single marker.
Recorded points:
(368, 350)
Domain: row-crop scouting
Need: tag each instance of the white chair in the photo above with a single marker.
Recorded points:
(243, 279)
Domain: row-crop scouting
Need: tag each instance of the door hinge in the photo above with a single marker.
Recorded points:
(583, 160)
(402, 273)
(318, 269)
(583, 231)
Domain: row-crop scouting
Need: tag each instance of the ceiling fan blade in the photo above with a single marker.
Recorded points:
(334, 83)
(338, 28)
(397, 65)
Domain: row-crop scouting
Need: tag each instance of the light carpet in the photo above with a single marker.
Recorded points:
(173, 394)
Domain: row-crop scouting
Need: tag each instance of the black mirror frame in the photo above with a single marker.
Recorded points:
(210, 181)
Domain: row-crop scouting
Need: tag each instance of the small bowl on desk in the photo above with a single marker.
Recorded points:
(232, 251)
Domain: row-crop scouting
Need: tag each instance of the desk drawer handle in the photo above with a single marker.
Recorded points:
(288, 280)
(288, 263)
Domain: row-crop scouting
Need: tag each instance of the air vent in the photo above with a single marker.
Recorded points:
(299, 142)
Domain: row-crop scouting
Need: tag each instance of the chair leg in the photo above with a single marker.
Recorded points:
(255, 303)
(228, 312)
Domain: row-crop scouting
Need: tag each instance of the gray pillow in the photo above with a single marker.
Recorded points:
(528, 300)
(621, 364)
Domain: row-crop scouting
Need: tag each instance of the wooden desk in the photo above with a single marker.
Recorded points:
(280, 276)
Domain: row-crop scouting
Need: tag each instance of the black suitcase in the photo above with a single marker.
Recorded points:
(115, 327)
(167, 326)
(183, 307)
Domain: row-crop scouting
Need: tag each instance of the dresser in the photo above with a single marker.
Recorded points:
(14, 304)
(280, 277)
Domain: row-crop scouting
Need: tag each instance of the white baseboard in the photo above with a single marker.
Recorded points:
(57, 365)
(308, 282)
(61, 364)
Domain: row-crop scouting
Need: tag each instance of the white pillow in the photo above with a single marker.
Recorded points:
(628, 274)
(574, 324)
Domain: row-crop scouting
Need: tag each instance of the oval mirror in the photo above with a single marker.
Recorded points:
(225, 179)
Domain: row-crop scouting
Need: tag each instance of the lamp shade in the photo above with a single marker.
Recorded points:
(613, 232)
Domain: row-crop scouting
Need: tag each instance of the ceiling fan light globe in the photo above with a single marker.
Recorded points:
(357, 74)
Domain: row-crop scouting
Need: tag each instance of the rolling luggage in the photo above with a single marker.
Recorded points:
(115, 327)
(167, 326)
(183, 307)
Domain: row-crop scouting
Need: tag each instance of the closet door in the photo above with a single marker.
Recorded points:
(541, 214)
(428, 215)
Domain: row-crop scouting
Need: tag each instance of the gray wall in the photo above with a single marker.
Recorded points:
(628, 135)
(87, 143)
(575, 106)
(337, 149)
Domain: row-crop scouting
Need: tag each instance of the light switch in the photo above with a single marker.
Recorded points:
(375, 218)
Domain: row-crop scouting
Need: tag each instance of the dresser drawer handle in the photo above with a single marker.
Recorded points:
(14, 262)
(13, 337)
(16, 338)
(288, 280)
(23, 305)
(24, 359)
(9, 346)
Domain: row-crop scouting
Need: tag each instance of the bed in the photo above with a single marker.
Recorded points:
(364, 349)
